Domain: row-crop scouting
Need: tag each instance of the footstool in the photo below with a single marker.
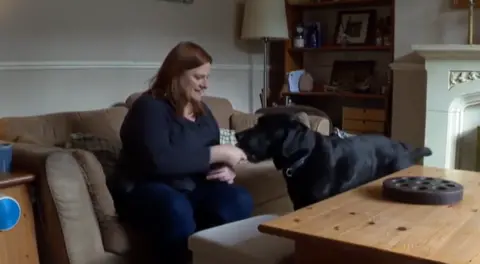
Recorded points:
(240, 243)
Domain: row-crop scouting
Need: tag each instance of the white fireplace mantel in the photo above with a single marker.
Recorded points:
(452, 91)
(448, 51)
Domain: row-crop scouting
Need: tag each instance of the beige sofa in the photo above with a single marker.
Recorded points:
(76, 217)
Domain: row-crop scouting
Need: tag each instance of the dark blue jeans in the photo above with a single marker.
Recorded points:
(168, 217)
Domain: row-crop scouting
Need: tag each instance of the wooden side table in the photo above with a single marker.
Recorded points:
(19, 245)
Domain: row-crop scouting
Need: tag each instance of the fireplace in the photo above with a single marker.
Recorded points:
(451, 87)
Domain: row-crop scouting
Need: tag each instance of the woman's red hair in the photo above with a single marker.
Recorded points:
(183, 57)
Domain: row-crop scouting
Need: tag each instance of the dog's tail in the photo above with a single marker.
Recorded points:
(419, 153)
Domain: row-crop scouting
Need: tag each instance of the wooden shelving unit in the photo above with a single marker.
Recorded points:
(344, 49)
(284, 58)
(463, 4)
(339, 94)
(342, 3)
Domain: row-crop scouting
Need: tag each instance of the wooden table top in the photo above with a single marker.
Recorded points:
(15, 178)
(361, 217)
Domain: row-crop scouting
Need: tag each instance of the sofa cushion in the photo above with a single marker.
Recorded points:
(114, 235)
(49, 129)
(29, 139)
(221, 109)
(240, 121)
(240, 242)
(105, 150)
(104, 123)
(54, 129)
(227, 136)
(265, 183)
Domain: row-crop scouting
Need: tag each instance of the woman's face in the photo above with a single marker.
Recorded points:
(195, 81)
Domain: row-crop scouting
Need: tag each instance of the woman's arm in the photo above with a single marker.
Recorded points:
(226, 154)
(149, 124)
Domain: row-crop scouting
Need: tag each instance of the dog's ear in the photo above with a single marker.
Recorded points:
(299, 141)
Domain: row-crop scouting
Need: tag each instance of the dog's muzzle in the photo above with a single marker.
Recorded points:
(240, 136)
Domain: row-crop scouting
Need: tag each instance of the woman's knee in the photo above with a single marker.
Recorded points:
(235, 203)
(159, 207)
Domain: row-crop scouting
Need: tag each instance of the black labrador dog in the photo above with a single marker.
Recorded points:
(317, 167)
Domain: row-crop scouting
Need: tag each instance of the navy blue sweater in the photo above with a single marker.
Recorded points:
(160, 145)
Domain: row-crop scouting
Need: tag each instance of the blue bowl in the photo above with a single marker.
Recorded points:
(10, 213)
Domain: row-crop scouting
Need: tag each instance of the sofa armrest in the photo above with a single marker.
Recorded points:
(69, 229)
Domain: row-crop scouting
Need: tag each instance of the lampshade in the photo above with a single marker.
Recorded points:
(264, 19)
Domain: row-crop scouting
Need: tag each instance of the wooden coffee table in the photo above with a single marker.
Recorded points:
(361, 227)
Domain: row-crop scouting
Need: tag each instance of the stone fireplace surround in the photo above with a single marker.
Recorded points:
(436, 101)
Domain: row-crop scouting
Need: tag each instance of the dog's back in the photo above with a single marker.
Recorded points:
(382, 146)
(363, 158)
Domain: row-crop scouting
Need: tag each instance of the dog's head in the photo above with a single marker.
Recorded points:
(282, 137)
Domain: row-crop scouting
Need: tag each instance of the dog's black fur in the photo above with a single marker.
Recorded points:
(315, 166)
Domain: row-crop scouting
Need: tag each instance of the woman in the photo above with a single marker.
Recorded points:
(173, 178)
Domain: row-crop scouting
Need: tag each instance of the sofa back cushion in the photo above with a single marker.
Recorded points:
(46, 130)
(54, 129)
(221, 108)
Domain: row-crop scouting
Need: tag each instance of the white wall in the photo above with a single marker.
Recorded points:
(429, 22)
(420, 22)
(58, 55)
(101, 51)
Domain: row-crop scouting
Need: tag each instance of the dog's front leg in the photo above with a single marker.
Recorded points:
(324, 187)
(349, 175)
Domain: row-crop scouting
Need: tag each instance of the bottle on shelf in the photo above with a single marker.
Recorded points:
(298, 39)
(379, 32)
(314, 35)
(387, 32)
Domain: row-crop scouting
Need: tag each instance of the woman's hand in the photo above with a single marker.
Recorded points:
(229, 154)
(234, 155)
(224, 173)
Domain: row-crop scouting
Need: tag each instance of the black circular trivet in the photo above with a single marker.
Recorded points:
(422, 190)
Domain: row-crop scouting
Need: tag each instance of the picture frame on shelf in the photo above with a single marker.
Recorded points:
(353, 76)
(355, 27)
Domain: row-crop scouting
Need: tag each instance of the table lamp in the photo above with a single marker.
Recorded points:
(264, 20)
